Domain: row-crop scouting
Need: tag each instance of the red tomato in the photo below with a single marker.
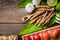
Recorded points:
(45, 35)
(36, 36)
(27, 38)
(54, 33)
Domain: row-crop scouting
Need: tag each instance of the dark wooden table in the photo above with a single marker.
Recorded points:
(10, 17)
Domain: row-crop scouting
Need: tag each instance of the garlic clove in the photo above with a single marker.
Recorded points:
(29, 8)
(13, 37)
(36, 2)
(1, 38)
(4, 37)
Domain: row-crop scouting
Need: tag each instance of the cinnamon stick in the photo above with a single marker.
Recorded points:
(36, 14)
(45, 9)
(43, 18)
(40, 6)
(37, 22)
(47, 21)
(34, 20)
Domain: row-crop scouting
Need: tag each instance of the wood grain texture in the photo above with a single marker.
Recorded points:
(10, 17)
(9, 13)
(8, 29)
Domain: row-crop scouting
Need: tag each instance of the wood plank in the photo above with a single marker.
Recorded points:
(8, 29)
(9, 13)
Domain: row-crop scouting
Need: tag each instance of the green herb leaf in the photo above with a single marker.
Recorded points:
(58, 7)
(30, 28)
(52, 21)
(43, 2)
(24, 3)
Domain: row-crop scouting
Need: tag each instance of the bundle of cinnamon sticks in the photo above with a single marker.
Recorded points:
(42, 15)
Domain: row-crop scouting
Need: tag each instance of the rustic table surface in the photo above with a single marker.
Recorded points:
(10, 17)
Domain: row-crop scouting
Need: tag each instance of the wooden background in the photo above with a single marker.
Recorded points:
(10, 17)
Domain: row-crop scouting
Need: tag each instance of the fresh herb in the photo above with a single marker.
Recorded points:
(29, 28)
(58, 7)
(43, 2)
(24, 3)
(52, 21)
